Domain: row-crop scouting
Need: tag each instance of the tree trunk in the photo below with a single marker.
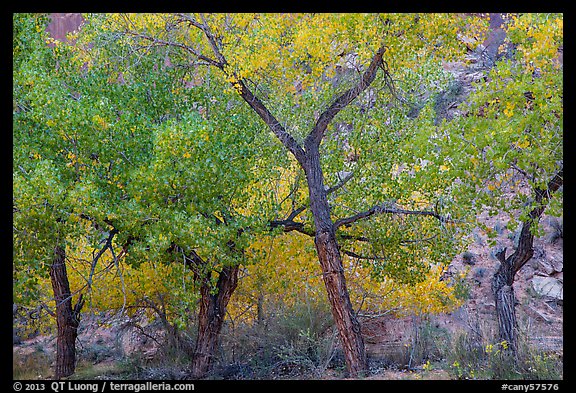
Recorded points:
(211, 318)
(503, 279)
(333, 271)
(503, 291)
(67, 317)
(342, 311)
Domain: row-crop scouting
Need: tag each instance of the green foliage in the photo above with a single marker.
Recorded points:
(136, 149)
(510, 138)
(130, 129)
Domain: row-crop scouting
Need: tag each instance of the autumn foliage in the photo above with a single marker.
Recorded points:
(280, 159)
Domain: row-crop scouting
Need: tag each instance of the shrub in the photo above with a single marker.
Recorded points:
(499, 227)
(428, 342)
(461, 285)
(35, 365)
(479, 273)
(292, 342)
(465, 355)
(495, 361)
(469, 258)
(557, 232)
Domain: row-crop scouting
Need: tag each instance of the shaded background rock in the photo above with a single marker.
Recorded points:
(548, 286)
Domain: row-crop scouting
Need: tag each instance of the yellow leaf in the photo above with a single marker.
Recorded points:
(524, 144)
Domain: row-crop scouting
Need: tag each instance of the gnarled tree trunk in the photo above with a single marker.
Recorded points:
(211, 318)
(503, 280)
(67, 317)
(333, 270)
(503, 291)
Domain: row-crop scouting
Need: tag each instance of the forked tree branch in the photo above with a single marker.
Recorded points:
(317, 133)
(524, 251)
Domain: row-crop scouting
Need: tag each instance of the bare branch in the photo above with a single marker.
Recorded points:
(357, 256)
(207, 32)
(293, 190)
(387, 208)
(284, 136)
(107, 245)
(212, 41)
(368, 240)
(296, 212)
(289, 226)
(48, 310)
(158, 42)
(523, 172)
(354, 237)
(187, 18)
(341, 183)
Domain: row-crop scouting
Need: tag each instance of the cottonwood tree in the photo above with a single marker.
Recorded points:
(194, 197)
(40, 225)
(130, 159)
(81, 133)
(509, 144)
(336, 91)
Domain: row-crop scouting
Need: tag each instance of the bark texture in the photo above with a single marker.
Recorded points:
(211, 318)
(503, 291)
(332, 269)
(67, 317)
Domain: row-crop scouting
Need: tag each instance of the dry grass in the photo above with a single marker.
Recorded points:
(31, 365)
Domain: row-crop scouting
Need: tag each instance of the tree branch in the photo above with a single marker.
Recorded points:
(525, 250)
(332, 189)
(212, 41)
(159, 42)
(239, 84)
(388, 208)
(317, 133)
(340, 184)
(289, 226)
(284, 136)
(553, 185)
(206, 30)
(368, 240)
(107, 245)
(354, 255)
